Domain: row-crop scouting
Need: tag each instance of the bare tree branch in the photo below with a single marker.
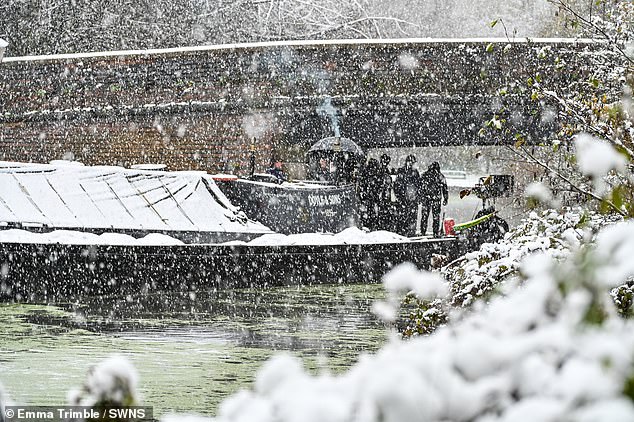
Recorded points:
(588, 23)
(572, 185)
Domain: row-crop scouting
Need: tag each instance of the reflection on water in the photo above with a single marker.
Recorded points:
(191, 350)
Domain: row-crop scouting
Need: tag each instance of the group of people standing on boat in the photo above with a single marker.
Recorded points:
(391, 197)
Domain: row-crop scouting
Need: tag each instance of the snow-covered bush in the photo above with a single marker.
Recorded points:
(111, 383)
(480, 273)
(552, 232)
(623, 297)
(551, 348)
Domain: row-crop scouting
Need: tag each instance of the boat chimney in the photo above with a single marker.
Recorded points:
(336, 146)
(252, 158)
(3, 46)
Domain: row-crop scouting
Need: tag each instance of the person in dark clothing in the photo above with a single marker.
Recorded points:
(323, 171)
(350, 168)
(369, 194)
(406, 190)
(276, 170)
(386, 212)
(433, 190)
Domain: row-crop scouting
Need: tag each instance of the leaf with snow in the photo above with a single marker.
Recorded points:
(538, 191)
(407, 61)
(596, 158)
(615, 250)
(113, 382)
(406, 277)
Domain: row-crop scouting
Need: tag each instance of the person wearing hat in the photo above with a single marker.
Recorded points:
(406, 190)
(433, 190)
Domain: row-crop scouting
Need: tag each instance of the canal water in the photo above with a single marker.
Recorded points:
(191, 350)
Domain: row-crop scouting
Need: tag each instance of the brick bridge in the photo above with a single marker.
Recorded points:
(200, 107)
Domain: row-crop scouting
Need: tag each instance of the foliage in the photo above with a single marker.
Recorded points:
(111, 383)
(69, 26)
(63, 26)
(422, 316)
(623, 297)
(590, 103)
(482, 274)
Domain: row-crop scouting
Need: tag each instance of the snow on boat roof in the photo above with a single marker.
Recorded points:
(62, 195)
(349, 236)
(298, 43)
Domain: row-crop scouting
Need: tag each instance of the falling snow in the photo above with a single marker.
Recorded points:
(213, 188)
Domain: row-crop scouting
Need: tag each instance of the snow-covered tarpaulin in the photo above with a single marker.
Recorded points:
(63, 195)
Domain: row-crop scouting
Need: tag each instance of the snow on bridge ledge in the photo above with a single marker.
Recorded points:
(107, 198)
(305, 44)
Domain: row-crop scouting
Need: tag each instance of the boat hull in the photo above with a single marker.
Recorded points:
(54, 273)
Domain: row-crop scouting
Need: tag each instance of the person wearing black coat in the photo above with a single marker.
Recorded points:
(386, 211)
(322, 173)
(406, 190)
(433, 190)
(369, 194)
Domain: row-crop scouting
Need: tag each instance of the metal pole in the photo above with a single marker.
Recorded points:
(3, 46)
(252, 158)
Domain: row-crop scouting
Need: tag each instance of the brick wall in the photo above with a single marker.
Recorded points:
(200, 108)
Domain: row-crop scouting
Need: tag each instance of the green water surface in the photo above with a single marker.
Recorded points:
(191, 350)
